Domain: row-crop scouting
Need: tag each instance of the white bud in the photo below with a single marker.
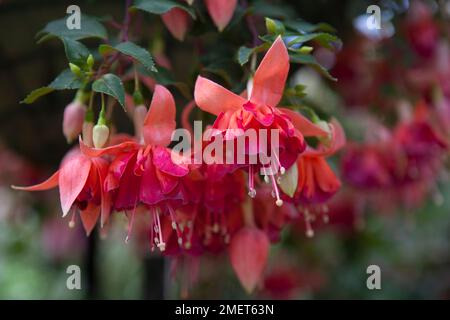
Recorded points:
(100, 135)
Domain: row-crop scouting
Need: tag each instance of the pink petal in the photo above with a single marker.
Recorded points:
(160, 120)
(89, 217)
(102, 168)
(150, 190)
(163, 161)
(249, 249)
(338, 140)
(46, 185)
(303, 124)
(221, 11)
(113, 150)
(213, 98)
(72, 178)
(177, 21)
(271, 75)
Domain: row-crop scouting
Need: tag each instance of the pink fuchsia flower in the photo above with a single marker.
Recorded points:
(236, 115)
(317, 182)
(73, 120)
(143, 173)
(178, 20)
(80, 179)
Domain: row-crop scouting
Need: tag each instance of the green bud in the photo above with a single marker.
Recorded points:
(90, 61)
(306, 49)
(75, 69)
(274, 27)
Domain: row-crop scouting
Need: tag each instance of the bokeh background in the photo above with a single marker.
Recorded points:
(408, 239)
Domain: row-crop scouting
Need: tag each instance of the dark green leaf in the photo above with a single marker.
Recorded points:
(111, 85)
(161, 6)
(90, 28)
(326, 40)
(132, 50)
(311, 61)
(304, 27)
(76, 52)
(66, 80)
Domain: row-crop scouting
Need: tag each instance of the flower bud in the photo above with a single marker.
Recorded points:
(100, 135)
(90, 61)
(73, 120)
(75, 69)
(139, 115)
(88, 128)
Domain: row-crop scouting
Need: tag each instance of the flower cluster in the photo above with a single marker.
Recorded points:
(194, 208)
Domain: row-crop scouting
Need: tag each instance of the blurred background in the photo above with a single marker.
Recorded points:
(386, 78)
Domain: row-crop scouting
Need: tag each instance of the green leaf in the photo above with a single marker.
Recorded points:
(304, 27)
(312, 62)
(326, 40)
(275, 27)
(36, 94)
(289, 181)
(111, 85)
(76, 52)
(132, 50)
(161, 6)
(90, 28)
(66, 80)
(244, 54)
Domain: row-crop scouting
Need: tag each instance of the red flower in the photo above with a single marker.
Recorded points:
(80, 180)
(145, 173)
(236, 115)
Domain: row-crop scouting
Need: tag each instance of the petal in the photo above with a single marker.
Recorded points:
(150, 190)
(72, 178)
(177, 21)
(163, 161)
(338, 140)
(325, 177)
(115, 149)
(221, 11)
(271, 75)
(46, 185)
(160, 120)
(303, 124)
(249, 249)
(89, 217)
(102, 168)
(213, 98)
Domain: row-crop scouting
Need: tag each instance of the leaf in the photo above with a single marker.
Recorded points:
(76, 52)
(66, 80)
(111, 85)
(90, 28)
(161, 6)
(304, 27)
(244, 54)
(326, 40)
(289, 181)
(132, 50)
(275, 27)
(312, 62)
(249, 249)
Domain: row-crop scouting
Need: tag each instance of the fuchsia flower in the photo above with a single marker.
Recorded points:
(80, 179)
(178, 20)
(143, 173)
(236, 114)
(73, 120)
(316, 180)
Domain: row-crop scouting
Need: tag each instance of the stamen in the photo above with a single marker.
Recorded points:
(161, 245)
(251, 182)
(72, 220)
(130, 224)
(174, 224)
(279, 202)
(282, 169)
(309, 229)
